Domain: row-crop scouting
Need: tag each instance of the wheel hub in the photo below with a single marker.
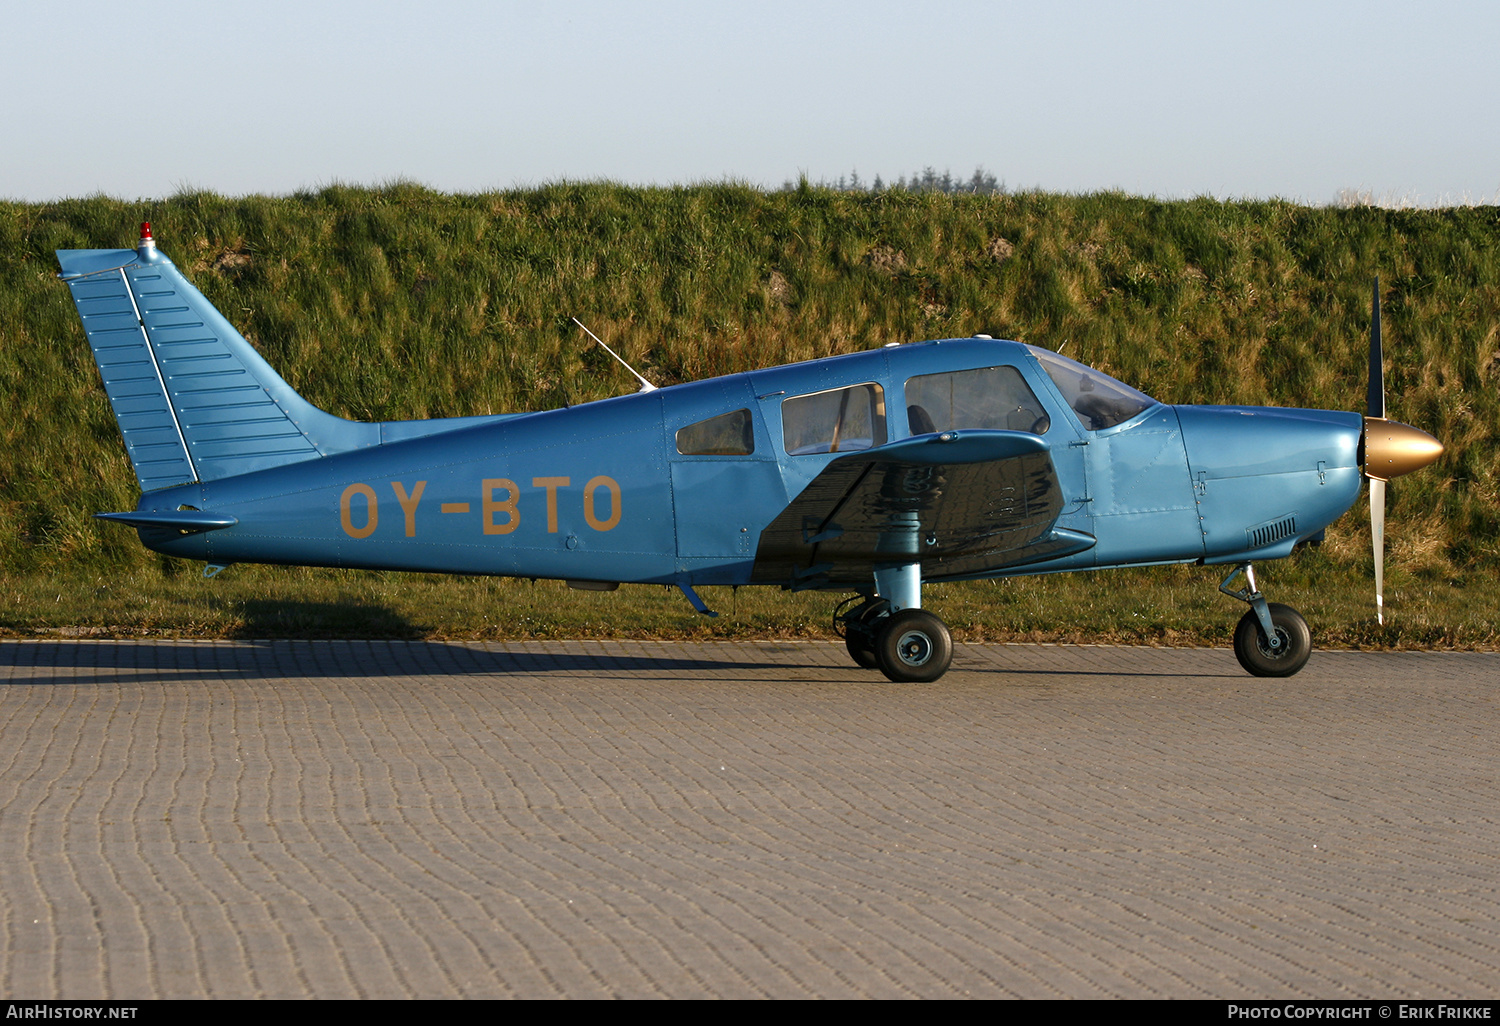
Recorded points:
(915, 648)
(1274, 648)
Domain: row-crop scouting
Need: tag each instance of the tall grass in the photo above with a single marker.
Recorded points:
(398, 302)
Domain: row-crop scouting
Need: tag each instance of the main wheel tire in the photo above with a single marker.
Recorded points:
(861, 645)
(861, 629)
(913, 646)
(1261, 659)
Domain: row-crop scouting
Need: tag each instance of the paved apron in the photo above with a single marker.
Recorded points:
(373, 819)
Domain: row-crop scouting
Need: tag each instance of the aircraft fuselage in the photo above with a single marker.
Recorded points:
(602, 491)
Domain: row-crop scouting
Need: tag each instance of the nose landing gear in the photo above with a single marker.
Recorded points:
(1271, 640)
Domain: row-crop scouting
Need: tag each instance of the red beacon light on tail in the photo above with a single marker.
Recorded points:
(147, 243)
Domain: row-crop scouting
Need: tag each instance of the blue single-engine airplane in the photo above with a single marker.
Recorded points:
(868, 473)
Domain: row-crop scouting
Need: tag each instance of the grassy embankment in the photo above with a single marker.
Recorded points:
(399, 303)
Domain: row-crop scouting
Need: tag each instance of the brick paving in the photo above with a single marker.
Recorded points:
(390, 819)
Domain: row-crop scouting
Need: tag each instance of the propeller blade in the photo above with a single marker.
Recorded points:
(1391, 449)
(1377, 543)
(1375, 407)
(1375, 398)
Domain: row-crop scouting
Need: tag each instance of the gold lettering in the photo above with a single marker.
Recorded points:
(552, 484)
(614, 503)
(508, 506)
(455, 507)
(346, 518)
(409, 504)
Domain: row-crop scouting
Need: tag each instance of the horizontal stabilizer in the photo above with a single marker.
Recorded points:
(189, 521)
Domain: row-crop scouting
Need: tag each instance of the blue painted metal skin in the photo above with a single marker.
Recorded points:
(725, 481)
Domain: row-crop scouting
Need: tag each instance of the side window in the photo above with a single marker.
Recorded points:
(729, 434)
(996, 398)
(839, 420)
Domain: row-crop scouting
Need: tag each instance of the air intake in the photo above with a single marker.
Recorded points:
(1270, 534)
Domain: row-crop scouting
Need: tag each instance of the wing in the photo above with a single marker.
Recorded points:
(960, 503)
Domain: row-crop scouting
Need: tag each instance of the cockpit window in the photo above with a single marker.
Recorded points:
(729, 434)
(1099, 400)
(839, 420)
(996, 398)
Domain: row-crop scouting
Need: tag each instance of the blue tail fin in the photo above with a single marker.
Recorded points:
(194, 400)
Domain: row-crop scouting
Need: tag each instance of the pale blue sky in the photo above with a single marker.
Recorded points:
(1172, 99)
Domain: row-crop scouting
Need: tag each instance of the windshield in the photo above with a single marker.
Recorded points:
(1099, 400)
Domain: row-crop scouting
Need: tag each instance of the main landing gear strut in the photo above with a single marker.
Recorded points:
(890, 632)
(1272, 640)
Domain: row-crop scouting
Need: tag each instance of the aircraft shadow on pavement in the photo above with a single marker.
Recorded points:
(265, 618)
(70, 663)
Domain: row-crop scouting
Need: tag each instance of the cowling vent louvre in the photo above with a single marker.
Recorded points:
(1270, 534)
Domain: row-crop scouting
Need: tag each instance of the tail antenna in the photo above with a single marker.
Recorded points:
(646, 386)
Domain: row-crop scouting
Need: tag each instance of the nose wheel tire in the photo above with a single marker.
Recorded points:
(1259, 657)
(913, 646)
